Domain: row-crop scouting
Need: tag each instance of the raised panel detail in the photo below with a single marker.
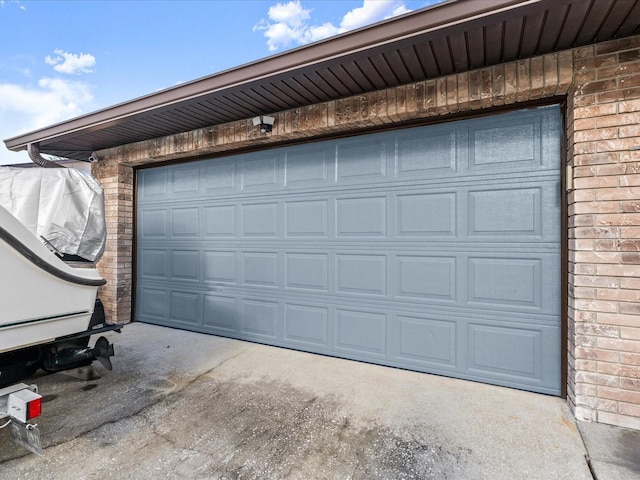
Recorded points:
(259, 172)
(220, 266)
(154, 184)
(185, 180)
(307, 324)
(152, 302)
(185, 222)
(505, 212)
(419, 152)
(184, 264)
(427, 214)
(516, 142)
(361, 216)
(361, 331)
(259, 318)
(306, 168)
(505, 281)
(154, 223)
(427, 340)
(306, 270)
(306, 218)
(427, 277)
(184, 307)
(260, 220)
(260, 268)
(361, 274)
(500, 350)
(220, 221)
(363, 159)
(220, 312)
(154, 263)
(220, 176)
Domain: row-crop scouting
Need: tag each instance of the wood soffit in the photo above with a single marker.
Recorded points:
(448, 38)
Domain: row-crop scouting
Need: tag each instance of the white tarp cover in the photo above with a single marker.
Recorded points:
(63, 205)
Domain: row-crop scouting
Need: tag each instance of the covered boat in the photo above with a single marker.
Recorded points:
(52, 232)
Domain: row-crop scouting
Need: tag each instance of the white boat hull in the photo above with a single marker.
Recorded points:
(41, 297)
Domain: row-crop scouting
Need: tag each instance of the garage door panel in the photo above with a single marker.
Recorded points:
(259, 318)
(427, 214)
(184, 307)
(219, 221)
(260, 269)
(361, 331)
(422, 154)
(220, 178)
(425, 340)
(434, 248)
(493, 145)
(512, 212)
(185, 181)
(361, 274)
(307, 271)
(153, 224)
(362, 160)
(308, 168)
(220, 266)
(153, 263)
(260, 220)
(220, 314)
(424, 278)
(361, 216)
(307, 218)
(306, 324)
(185, 264)
(152, 303)
(259, 173)
(153, 185)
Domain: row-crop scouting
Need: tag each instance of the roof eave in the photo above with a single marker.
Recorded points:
(431, 19)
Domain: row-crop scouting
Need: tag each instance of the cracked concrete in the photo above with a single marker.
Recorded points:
(184, 405)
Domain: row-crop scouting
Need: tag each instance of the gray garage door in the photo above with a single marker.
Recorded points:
(434, 248)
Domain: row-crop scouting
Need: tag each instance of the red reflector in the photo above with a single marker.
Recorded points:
(34, 408)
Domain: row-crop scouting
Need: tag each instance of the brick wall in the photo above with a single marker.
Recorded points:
(601, 86)
(604, 234)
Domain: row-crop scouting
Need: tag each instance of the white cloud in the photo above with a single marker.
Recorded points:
(371, 11)
(289, 23)
(16, 2)
(71, 63)
(23, 109)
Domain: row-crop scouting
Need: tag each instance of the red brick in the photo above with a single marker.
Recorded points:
(629, 409)
(620, 219)
(630, 358)
(623, 295)
(599, 355)
(631, 283)
(629, 180)
(630, 384)
(621, 320)
(598, 330)
(628, 396)
(620, 344)
(617, 95)
(629, 106)
(597, 379)
(619, 370)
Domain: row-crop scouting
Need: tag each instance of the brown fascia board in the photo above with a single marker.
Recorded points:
(431, 19)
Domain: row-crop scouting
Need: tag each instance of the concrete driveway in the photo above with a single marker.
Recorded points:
(186, 405)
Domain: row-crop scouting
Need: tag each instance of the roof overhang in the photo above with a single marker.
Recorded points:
(447, 38)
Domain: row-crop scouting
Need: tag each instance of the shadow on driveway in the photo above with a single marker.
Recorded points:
(187, 405)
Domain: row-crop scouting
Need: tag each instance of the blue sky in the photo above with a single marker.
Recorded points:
(61, 59)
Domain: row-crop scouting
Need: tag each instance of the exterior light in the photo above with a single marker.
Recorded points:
(265, 122)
